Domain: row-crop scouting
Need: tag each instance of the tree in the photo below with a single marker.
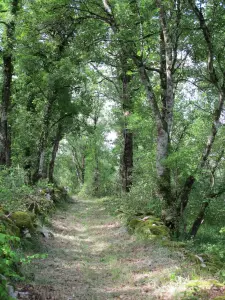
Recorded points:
(6, 103)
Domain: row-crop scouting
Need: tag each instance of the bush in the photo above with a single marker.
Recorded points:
(9, 261)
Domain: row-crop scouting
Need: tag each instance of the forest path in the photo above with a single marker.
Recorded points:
(93, 257)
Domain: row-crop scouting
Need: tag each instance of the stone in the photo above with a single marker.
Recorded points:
(149, 227)
(23, 220)
(11, 292)
(45, 232)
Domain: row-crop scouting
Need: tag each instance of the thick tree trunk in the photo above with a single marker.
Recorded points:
(5, 155)
(58, 138)
(163, 139)
(167, 98)
(5, 129)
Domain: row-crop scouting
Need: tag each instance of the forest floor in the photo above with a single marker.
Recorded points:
(93, 257)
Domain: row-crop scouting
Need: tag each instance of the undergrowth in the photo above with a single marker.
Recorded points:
(17, 197)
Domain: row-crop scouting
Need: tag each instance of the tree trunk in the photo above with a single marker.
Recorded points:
(167, 99)
(187, 188)
(127, 162)
(126, 167)
(188, 185)
(5, 151)
(58, 137)
(83, 169)
(39, 172)
(163, 140)
(199, 220)
(127, 155)
(96, 175)
(80, 166)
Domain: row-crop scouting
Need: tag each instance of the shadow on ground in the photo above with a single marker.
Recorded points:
(93, 257)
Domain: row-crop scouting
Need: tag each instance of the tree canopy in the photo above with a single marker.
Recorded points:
(149, 75)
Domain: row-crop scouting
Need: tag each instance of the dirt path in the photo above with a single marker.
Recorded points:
(93, 257)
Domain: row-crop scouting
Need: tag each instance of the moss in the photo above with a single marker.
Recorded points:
(204, 284)
(174, 244)
(220, 298)
(200, 289)
(23, 220)
(211, 262)
(132, 223)
(194, 295)
(7, 226)
(149, 227)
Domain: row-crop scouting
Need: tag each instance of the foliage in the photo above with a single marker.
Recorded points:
(11, 259)
(150, 74)
(13, 189)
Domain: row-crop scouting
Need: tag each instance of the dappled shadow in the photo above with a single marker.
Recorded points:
(93, 257)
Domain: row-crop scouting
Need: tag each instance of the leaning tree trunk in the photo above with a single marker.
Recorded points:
(220, 86)
(199, 220)
(5, 129)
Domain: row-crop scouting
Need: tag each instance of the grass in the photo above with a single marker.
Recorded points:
(93, 257)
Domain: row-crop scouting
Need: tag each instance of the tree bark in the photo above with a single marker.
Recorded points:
(39, 171)
(79, 164)
(126, 168)
(58, 138)
(127, 155)
(5, 129)
(187, 188)
(163, 140)
(199, 220)
(96, 175)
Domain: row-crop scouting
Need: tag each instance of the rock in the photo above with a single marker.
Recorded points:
(23, 220)
(26, 233)
(45, 232)
(11, 292)
(204, 284)
(7, 226)
(23, 295)
(149, 227)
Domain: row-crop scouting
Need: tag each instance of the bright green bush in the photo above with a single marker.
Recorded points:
(9, 261)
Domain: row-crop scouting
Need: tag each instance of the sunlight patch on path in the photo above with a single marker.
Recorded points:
(93, 257)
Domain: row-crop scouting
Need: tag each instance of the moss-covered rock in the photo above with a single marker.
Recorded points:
(23, 220)
(132, 223)
(208, 261)
(149, 227)
(202, 289)
(7, 226)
